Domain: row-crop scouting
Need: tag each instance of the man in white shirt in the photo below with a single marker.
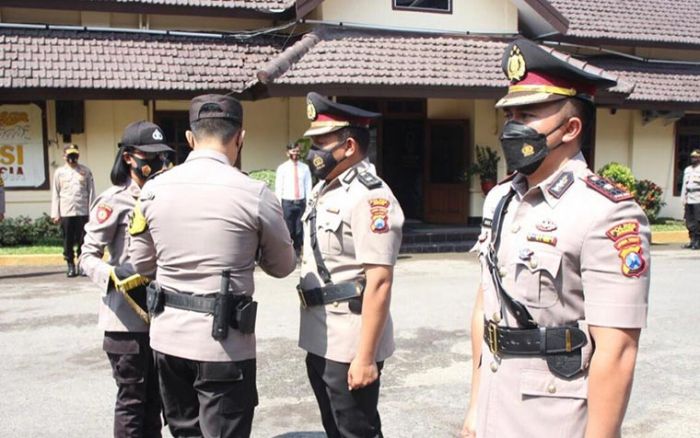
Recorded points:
(292, 187)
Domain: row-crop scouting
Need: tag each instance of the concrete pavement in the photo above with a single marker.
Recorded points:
(57, 382)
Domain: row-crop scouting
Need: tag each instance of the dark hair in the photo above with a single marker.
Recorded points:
(292, 145)
(222, 130)
(120, 170)
(361, 136)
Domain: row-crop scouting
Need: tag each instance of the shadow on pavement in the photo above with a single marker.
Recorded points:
(301, 435)
(30, 274)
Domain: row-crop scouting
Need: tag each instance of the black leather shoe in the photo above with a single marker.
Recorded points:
(71, 271)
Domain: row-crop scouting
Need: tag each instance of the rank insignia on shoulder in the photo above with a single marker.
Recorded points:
(560, 184)
(104, 211)
(607, 188)
(379, 215)
(368, 180)
(137, 223)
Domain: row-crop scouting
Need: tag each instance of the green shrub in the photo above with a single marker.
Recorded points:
(265, 175)
(621, 175)
(648, 195)
(24, 231)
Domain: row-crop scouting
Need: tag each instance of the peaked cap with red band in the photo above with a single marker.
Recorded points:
(327, 116)
(538, 75)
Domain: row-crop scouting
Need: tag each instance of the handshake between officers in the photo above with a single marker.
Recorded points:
(199, 230)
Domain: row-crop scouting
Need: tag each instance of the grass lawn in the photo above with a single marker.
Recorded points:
(24, 250)
(665, 224)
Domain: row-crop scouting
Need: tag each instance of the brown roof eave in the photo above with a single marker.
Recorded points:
(608, 102)
(591, 41)
(115, 6)
(550, 14)
(23, 94)
(387, 91)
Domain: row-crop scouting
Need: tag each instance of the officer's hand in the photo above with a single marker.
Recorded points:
(469, 426)
(361, 374)
(55, 220)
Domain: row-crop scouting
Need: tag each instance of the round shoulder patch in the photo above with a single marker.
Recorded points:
(104, 211)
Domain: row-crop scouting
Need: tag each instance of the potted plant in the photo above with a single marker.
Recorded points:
(486, 166)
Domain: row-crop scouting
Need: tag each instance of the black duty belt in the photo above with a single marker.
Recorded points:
(331, 293)
(195, 303)
(539, 341)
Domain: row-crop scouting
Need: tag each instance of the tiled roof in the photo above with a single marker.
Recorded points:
(347, 57)
(92, 60)
(656, 82)
(667, 21)
(263, 5)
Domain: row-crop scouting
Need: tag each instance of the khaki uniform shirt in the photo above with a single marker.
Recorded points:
(108, 227)
(2, 196)
(355, 226)
(690, 190)
(73, 191)
(203, 217)
(570, 255)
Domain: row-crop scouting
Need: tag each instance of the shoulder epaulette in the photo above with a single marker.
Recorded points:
(607, 188)
(369, 180)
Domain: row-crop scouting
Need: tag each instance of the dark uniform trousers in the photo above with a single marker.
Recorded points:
(73, 234)
(293, 211)
(692, 221)
(207, 399)
(138, 406)
(344, 413)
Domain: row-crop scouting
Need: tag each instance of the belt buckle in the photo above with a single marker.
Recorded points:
(493, 337)
(300, 292)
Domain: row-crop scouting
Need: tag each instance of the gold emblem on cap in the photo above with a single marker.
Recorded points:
(310, 110)
(516, 65)
(527, 150)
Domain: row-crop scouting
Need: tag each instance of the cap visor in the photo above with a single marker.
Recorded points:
(311, 132)
(524, 98)
(71, 151)
(159, 147)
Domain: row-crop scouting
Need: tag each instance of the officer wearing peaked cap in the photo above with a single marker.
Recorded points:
(197, 230)
(352, 235)
(565, 267)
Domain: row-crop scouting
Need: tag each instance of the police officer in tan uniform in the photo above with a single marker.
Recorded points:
(72, 194)
(199, 230)
(690, 197)
(352, 235)
(565, 267)
(122, 308)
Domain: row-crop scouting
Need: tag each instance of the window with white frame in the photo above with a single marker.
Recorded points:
(443, 6)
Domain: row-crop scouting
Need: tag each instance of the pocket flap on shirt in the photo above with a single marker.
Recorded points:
(541, 383)
(329, 222)
(544, 259)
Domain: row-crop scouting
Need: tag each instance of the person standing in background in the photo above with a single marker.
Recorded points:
(690, 197)
(71, 196)
(137, 409)
(292, 187)
(2, 199)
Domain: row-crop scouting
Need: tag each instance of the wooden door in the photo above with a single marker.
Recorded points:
(446, 192)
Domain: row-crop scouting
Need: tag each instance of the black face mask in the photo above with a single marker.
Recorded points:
(524, 148)
(149, 167)
(694, 161)
(72, 158)
(321, 161)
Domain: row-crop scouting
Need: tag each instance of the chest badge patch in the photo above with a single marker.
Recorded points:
(546, 225)
(542, 238)
(379, 213)
(104, 211)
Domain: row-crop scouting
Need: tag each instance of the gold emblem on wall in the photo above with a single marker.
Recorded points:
(516, 65)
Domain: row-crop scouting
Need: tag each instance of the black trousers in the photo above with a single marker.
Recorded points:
(344, 413)
(137, 409)
(293, 210)
(73, 234)
(692, 220)
(207, 399)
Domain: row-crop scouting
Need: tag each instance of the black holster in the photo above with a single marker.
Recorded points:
(155, 298)
(244, 315)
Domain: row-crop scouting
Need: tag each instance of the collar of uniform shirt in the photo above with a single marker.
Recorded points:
(575, 164)
(346, 178)
(208, 153)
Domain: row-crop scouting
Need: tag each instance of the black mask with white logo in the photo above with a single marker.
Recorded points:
(524, 147)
